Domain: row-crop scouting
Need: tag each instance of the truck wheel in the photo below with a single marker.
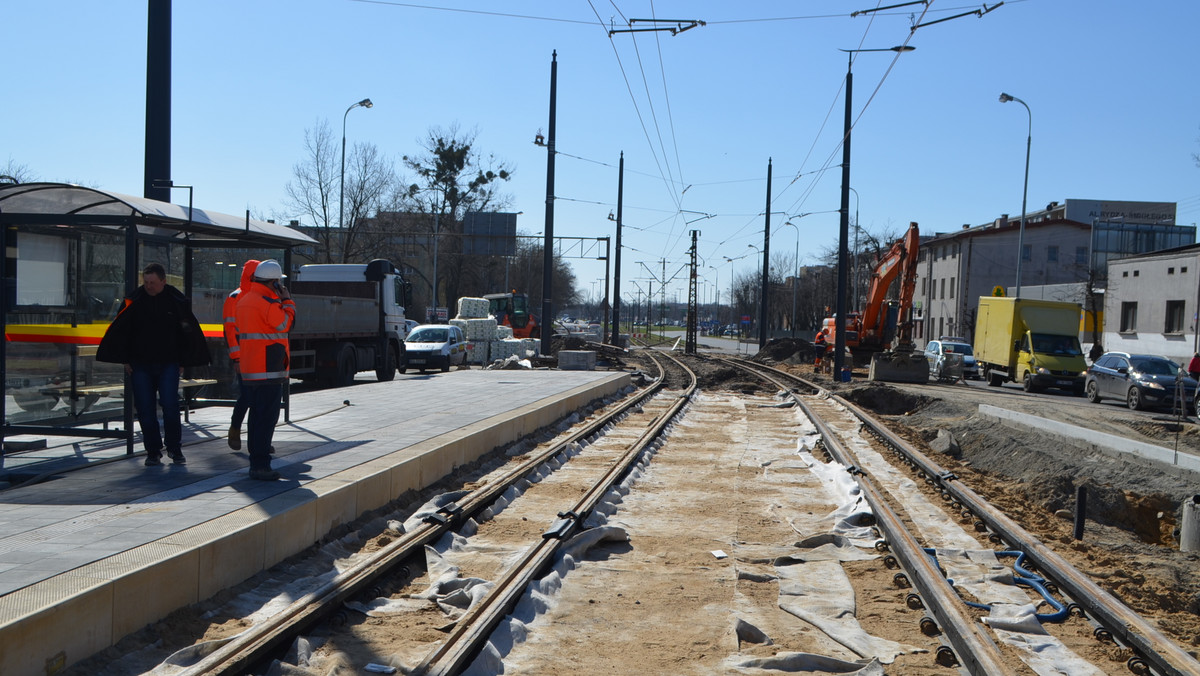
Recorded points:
(347, 365)
(1093, 392)
(994, 380)
(1027, 383)
(1134, 399)
(388, 370)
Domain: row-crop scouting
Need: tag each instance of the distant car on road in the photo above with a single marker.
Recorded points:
(435, 346)
(1141, 380)
(936, 351)
(409, 325)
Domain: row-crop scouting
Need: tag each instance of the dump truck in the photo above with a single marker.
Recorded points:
(349, 318)
(1029, 341)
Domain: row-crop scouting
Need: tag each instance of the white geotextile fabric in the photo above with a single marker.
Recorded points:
(800, 663)
(819, 592)
(537, 599)
(1017, 627)
(979, 572)
(1043, 653)
(852, 518)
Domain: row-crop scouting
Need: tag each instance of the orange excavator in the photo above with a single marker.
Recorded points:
(882, 331)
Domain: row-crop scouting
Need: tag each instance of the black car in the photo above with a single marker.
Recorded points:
(1141, 380)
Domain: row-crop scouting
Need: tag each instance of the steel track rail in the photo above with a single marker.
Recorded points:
(1122, 621)
(474, 628)
(1125, 624)
(973, 648)
(257, 642)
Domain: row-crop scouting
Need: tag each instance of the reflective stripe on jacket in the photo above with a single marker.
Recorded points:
(229, 310)
(263, 321)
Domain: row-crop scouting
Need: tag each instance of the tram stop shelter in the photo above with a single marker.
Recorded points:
(71, 254)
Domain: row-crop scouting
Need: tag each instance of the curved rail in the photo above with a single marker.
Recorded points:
(973, 648)
(1124, 624)
(256, 643)
(474, 628)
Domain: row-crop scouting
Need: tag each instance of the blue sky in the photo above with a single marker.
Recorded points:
(1111, 87)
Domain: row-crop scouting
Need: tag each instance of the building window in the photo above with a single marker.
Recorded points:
(1135, 273)
(1027, 252)
(1052, 254)
(1124, 273)
(951, 287)
(1183, 269)
(922, 286)
(1080, 255)
(943, 296)
(1174, 317)
(1128, 317)
(1170, 271)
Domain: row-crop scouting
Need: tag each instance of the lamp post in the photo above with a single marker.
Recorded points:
(795, 275)
(839, 343)
(365, 103)
(1005, 98)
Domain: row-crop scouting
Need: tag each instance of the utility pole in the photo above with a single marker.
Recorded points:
(765, 293)
(616, 310)
(689, 345)
(548, 245)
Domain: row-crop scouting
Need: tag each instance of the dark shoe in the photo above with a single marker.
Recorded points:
(263, 474)
(153, 459)
(176, 456)
(235, 437)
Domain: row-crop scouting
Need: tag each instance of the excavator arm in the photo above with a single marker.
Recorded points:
(899, 260)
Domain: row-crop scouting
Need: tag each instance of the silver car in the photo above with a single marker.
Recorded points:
(939, 363)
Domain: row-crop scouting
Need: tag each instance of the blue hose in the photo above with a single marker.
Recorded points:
(1023, 578)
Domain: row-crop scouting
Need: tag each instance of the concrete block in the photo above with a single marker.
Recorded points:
(151, 593)
(292, 526)
(337, 502)
(36, 638)
(231, 559)
(577, 360)
(503, 332)
(478, 352)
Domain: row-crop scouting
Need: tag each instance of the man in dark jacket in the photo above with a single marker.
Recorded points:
(155, 336)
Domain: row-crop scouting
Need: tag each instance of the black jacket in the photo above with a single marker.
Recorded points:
(174, 325)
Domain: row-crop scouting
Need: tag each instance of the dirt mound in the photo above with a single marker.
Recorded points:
(884, 400)
(785, 350)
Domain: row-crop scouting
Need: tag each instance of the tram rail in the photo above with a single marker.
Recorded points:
(1155, 653)
(468, 633)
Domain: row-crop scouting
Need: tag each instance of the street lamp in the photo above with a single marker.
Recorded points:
(795, 275)
(1005, 98)
(365, 103)
(839, 343)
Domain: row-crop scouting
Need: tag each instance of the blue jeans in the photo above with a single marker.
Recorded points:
(161, 382)
(264, 414)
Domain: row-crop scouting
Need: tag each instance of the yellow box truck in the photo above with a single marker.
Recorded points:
(1028, 341)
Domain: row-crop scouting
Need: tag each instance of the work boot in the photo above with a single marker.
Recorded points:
(235, 437)
(176, 456)
(153, 459)
(263, 474)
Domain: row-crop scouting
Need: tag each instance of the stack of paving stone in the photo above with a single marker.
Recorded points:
(521, 347)
(478, 327)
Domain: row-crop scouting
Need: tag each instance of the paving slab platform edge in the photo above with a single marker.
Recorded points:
(52, 624)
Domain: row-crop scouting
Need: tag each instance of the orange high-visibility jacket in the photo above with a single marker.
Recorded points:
(229, 310)
(263, 322)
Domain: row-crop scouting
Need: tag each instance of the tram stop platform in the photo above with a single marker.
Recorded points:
(105, 545)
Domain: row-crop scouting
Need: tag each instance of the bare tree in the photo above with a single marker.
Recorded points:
(315, 187)
(14, 172)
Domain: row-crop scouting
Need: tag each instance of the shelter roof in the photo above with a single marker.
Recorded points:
(79, 204)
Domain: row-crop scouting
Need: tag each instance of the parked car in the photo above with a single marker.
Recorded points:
(936, 351)
(434, 346)
(409, 325)
(1141, 380)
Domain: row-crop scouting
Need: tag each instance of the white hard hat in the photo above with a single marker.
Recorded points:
(269, 269)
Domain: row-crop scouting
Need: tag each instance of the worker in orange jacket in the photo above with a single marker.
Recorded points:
(229, 313)
(265, 313)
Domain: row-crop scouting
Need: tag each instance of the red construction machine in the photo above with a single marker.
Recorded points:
(512, 309)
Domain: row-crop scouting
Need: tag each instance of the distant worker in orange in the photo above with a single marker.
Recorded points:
(265, 313)
(229, 313)
(819, 346)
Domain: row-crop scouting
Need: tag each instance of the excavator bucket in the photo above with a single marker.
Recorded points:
(899, 367)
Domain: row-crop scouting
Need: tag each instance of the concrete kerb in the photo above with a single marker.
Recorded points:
(56, 622)
(1114, 446)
